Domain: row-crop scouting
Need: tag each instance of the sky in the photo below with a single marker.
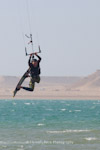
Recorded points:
(68, 32)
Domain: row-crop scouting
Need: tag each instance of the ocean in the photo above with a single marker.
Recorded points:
(49, 125)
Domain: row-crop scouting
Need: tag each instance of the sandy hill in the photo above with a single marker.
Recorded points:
(54, 88)
(89, 82)
(60, 80)
(11, 81)
(8, 81)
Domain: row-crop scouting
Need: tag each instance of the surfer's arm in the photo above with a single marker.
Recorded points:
(38, 57)
(29, 61)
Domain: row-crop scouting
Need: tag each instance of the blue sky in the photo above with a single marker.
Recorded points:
(67, 30)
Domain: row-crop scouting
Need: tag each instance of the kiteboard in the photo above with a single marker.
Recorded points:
(20, 82)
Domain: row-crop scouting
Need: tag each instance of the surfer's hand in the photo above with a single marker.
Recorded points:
(31, 55)
(36, 54)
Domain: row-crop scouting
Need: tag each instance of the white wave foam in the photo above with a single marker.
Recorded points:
(70, 110)
(68, 131)
(40, 124)
(14, 103)
(90, 138)
(97, 103)
(77, 110)
(63, 109)
(27, 103)
(67, 104)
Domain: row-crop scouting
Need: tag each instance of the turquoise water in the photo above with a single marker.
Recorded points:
(49, 125)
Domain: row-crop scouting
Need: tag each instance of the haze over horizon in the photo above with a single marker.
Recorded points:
(68, 32)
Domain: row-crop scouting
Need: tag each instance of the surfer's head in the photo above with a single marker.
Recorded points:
(34, 62)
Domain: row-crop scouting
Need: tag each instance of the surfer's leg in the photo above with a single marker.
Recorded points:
(32, 84)
(27, 88)
(37, 79)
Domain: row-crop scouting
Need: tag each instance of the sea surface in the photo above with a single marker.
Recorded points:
(49, 125)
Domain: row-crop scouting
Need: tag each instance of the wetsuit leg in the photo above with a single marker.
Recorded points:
(32, 83)
(37, 79)
(31, 86)
(27, 88)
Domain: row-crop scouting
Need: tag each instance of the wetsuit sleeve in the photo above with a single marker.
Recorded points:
(39, 58)
(29, 61)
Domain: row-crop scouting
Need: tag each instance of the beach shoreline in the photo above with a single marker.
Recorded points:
(27, 97)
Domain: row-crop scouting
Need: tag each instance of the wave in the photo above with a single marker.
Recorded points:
(27, 103)
(96, 103)
(63, 109)
(77, 110)
(90, 138)
(14, 103)
(40, 124)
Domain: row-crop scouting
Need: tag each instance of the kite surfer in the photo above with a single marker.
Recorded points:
(35, 71)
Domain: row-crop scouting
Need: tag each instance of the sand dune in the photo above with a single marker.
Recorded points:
(54, 87)
(11, 81)
(89, 82)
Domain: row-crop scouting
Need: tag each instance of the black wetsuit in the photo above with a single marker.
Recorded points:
(34, 72)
